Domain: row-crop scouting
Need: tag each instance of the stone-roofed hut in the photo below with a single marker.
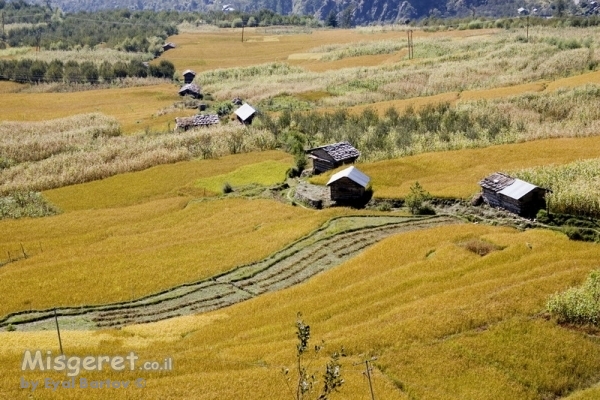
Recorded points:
(517, 196)
(190, 89)
(332, 156)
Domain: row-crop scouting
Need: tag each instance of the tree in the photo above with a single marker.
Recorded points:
(346, 19)
(332, 378)
(54, 72)
(415, 199)
(107, 72)
(559, 6)
(331, 20)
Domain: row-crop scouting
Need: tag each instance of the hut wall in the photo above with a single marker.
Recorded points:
(346, 190)
(492, 198)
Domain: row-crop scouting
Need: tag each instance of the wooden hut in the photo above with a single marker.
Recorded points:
(168, 46)
(190, 89)
(517, 196)
(332, 156)
(348, 185)
(188, 76)
(245, 114)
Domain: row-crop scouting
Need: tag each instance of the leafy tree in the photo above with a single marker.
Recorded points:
(346, 18)
(106, 71)
(331, 20)
(54, 72)
(89, 72)
(37, 70)
(71, 72)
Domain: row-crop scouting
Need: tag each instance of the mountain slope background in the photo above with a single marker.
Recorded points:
(361, 12)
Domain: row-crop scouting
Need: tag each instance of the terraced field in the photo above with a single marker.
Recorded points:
(335, 242)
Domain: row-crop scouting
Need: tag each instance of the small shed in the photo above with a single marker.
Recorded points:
(348, 185)
(168, 46)
(517, 196)
(245, 114)
(332, 156)
(190, 89)
(188, 76)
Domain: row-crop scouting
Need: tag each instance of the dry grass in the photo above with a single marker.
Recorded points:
(449, 325)
(456, 173)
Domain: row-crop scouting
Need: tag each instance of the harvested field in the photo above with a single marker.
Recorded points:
(332, 244)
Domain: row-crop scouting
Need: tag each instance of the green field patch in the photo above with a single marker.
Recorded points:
(265, 173)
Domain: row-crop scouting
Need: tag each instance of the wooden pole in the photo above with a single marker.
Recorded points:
(243, 30)
(528, 28)
(369, 377)
(58, 332)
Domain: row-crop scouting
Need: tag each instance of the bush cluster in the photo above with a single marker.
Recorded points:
(578, 305)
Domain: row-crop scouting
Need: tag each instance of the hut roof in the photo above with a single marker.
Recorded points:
(339, 151)
(197, 120)
(245, 112)
(507, 185)
(189, 87)
(169, 45)
(517, 189)
(188, 71)
(496, 181)
(352, 173)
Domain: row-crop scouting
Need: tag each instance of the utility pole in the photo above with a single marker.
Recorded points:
(409, 34)
(528, 29)
(58, 331)
(368, 373)
(2, 24)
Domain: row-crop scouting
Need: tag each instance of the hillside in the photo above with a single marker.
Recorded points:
(358, 12)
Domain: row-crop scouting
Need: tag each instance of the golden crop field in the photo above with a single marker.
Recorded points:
(443, 322)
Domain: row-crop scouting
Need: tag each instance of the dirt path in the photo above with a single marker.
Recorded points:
(329, 246)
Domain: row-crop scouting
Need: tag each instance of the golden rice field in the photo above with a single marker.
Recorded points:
(443, 322)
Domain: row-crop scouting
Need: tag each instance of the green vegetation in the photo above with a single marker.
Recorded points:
(36, 71)
(25, 204)
(578, 305)
(574, 186)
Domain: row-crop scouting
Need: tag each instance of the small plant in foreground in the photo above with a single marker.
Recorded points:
(332, 378)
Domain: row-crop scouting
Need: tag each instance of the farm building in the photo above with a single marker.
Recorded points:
(186, 123)
(245, 114)
(514, 195)
(190, 89)
(168, 46)
(332, 156)
(188, 76)
(348, 185)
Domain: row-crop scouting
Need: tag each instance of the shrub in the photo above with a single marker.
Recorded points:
(416, 198)
(578, 305)
(227, 188)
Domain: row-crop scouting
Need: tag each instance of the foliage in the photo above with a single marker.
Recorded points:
(27, 70)
(574, 186)
(415, 201)
(227, 188)
(578, 305)
(25, 204)
(332, 378)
